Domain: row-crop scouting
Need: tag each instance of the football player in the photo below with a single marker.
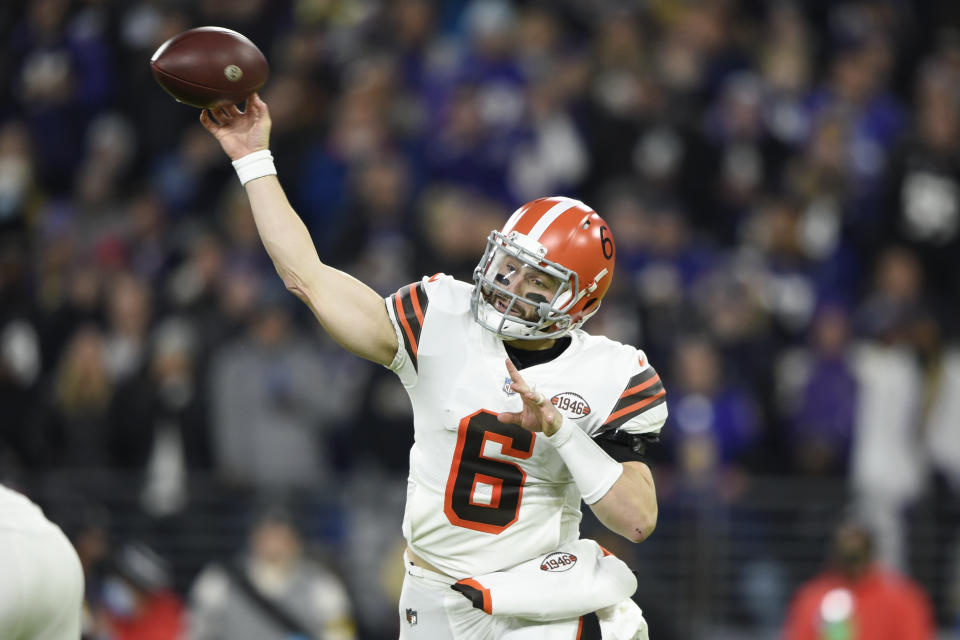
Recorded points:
(41, 580)
(518, 413)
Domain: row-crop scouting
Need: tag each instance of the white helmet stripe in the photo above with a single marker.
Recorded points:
(552, 214)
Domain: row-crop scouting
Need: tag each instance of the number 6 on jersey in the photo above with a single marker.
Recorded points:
(484, 493)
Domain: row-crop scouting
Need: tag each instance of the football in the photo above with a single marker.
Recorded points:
(208, 67)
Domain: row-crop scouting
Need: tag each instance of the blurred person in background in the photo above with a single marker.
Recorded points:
(69, 295)
(855, 598)
(129, 316)
(60, 76)
(20, 364)
(274, 400)
(41, 579)
(665, 271)
(71, 427)
(18, 182)
(749, 159)
(942, 426)
(888, 468)
(922, 204)
(87, 525)
(716, 424)
(159, 419)
(137, 602)
(374, 240)
(855, 93)
(817, 388)
(275, 591)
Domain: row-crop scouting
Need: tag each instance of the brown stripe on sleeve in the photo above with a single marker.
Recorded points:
(410, 305)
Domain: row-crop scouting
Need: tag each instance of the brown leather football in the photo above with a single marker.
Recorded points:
(209, 67)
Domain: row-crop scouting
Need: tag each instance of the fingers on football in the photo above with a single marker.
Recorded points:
(206, 119)
(223, 115)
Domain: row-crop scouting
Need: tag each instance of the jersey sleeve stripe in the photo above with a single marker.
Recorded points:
(655, 387)
(643, 392)
(643, 376)
(640, 387)
(411, 303)
(408, 338)
(416, 305)
(619, 417)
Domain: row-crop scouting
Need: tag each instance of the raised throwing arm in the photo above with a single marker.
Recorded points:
(350, 311)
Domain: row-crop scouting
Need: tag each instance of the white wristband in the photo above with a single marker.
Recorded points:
(593, 470)
(255, 165)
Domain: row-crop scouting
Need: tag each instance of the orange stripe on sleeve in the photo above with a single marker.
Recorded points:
(640, 387)
(636, 406)
(416, 303)
(401, 316)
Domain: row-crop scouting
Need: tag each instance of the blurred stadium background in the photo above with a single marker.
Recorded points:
(783, 179)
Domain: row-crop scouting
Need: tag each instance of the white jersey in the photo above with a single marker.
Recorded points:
(483, 495)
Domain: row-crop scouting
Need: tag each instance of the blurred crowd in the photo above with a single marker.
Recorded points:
(783, 181)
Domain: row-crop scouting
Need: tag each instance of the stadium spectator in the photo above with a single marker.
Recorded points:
(716, 428)
(819, 396)
(159, 419)
(72, 426)
(888, 467)
(274, 591)
(857, 598)
(129, 316)
(274, 399)
(137, 602)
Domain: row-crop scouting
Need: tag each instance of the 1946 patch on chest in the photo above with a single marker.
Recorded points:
(571, 405)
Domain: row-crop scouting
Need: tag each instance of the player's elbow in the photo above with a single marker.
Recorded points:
(291, 280)
(640, 524)
(295, 285)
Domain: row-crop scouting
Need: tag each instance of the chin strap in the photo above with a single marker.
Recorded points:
(590, 288)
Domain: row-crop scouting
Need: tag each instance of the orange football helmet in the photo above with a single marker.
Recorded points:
(562, 252)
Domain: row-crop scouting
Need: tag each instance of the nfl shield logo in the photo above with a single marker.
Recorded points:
(506, 387)
(412, 617)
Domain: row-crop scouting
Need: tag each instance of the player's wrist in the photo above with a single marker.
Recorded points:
(593, 470)
(256, 164)
(561, 434)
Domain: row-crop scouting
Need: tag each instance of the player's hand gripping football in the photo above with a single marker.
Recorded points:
(538, 412)
(239, 132)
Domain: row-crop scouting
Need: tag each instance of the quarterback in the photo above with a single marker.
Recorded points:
(518, 413)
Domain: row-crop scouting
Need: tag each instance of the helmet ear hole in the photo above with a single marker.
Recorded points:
(590, 303)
